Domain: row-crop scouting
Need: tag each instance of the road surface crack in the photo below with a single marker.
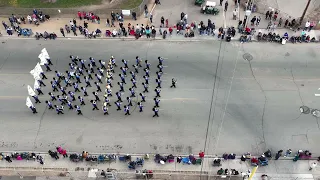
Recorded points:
(294, 81)
(264, 106)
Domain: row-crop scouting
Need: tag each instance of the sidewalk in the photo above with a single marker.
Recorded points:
(281, 169)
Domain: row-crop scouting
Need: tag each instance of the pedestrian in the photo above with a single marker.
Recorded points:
(270, 15)
(43, 76)
(155, 110)
(87, 81)
(143, 97)
(102, 64)
(94, 104)
(98, 78)
(288, 152)
(280, 22)
(33, 109)
(221, 1)
(258, 21)
(78, 78)
(159, 74)
(118, 104)
(278, 155)
(156, 102)
(125, 63)
(145, 86)
(58, 109)
(145, 11)
(136, 69)
(124, 71)
(132, 92)
(53, 98)
(162, 21)
(62, 32)
(158, 81)
(47, 67)
(313, 165)
(70, 105)
(157, 92)
(71, 94)
(8, 159)
(122, 77)
(307, 26)
(98, 86)
(273, 27)
(61, 100)
(146, 79)
(267, 14)
(49, 104)
(109, 92)
(269, 25)
(312, 24)
(67, 82)
(36, 98)
(108, 22)
(173, 83)
(234, 14)
(63, 90)
(129, 101)
(92, 62)
(107, 101)
(49, 61)
(126, 110)
(161, 67)
(226, 4)
(81, 100)
(121, 86)
(40, 159)
(103, 174)
(64, 153)
(39, 91)
(147, 72)
(140, 106)
(100, 70)
(96, 96)
(151, 17)
(41, 82)
(118, 94)
(105, 109)
(89, 74)
(76, 87)
(253, 20)
(147, 64)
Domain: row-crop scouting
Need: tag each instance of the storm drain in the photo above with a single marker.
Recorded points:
(247, 56)
(304, 110)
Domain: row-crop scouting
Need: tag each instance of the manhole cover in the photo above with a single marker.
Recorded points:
(247, 57)
(304, 110)
(316, 113)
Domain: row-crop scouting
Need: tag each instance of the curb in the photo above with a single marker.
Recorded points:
(153, 154)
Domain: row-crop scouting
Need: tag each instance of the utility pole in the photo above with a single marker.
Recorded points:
(304, 12)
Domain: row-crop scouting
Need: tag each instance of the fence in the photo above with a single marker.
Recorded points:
(68, 12)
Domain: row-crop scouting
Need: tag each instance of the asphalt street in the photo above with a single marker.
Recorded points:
(253, 106)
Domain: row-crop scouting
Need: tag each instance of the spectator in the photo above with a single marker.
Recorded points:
(307, 26)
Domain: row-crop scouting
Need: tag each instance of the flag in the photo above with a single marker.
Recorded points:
(38, 68)
(45, 53)
(43, 60)
(31, 91)
(36, 85)
(28, 102)
(35, 74)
